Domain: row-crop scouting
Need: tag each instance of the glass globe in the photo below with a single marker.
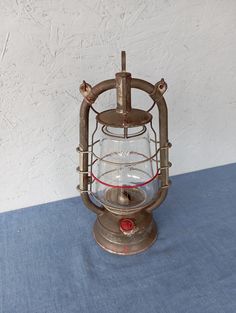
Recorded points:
(123, 174)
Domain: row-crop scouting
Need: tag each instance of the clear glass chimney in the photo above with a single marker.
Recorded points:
(124, 171)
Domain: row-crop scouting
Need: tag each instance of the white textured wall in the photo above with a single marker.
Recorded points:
(48, 47)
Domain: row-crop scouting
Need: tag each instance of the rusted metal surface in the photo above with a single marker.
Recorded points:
(110, 237)
(123, 92)
(133, 118)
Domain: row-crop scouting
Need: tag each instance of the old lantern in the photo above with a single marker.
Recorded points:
(124, 166)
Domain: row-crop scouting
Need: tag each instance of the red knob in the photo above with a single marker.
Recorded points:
(126, 224)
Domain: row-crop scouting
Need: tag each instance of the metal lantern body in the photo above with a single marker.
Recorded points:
(124, 166)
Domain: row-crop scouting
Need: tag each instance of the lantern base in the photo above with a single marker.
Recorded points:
(125, 234)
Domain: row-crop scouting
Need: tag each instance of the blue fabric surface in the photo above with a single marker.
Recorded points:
(49, 262)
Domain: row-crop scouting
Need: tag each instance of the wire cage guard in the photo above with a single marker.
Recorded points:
(162, 171)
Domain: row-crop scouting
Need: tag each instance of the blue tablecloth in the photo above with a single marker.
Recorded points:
(49, 262)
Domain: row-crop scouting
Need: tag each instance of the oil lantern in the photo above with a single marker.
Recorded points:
(124, 163)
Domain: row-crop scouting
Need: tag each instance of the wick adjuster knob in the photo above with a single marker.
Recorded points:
(127, 226)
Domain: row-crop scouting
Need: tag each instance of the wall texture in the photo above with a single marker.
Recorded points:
(48, 47)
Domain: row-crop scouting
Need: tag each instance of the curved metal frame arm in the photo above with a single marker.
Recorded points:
(83, 146)
(156, 93)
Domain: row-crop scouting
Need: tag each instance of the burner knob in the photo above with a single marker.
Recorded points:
(127, 226)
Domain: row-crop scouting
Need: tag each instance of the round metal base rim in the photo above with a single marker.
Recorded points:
(155, 230)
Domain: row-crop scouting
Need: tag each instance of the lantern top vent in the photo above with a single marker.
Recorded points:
(124, 115)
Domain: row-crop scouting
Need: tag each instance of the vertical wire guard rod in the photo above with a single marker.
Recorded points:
(84, 179)
(123, 61)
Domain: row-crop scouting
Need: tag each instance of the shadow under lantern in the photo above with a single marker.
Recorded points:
(124, 166)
